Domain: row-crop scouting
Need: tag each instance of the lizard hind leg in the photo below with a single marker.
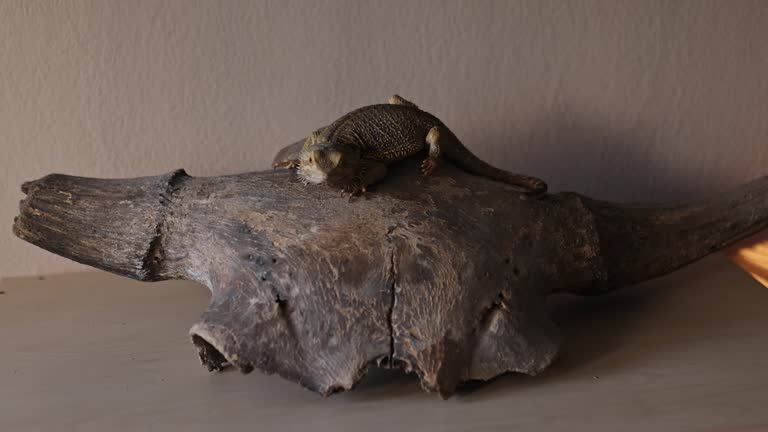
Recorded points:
(433, 141)
(397, 100)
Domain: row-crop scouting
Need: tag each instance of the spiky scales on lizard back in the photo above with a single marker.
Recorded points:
(353, 151)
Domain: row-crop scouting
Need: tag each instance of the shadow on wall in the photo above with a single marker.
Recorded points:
(596, 158)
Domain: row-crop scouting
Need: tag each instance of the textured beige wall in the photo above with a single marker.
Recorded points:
(630, 100)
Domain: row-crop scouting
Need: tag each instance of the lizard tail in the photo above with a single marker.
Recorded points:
(457, 153)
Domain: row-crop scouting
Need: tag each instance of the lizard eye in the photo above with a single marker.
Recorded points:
(311, 160)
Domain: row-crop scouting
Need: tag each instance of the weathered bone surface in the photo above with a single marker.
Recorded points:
(444, 276)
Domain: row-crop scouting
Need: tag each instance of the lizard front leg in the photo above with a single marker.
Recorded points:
(433, 141)
(369, 173)
(289, 157)
(286, 163)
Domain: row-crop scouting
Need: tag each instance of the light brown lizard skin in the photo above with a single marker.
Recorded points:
(360, 142)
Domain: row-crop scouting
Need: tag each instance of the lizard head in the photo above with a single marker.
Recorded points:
(320, 161)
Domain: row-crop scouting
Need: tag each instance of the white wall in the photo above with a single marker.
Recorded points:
(630, 100)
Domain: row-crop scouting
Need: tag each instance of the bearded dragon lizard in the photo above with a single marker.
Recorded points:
(353, 152)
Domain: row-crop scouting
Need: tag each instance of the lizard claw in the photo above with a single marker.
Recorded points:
(354, 191)
(428, 166)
